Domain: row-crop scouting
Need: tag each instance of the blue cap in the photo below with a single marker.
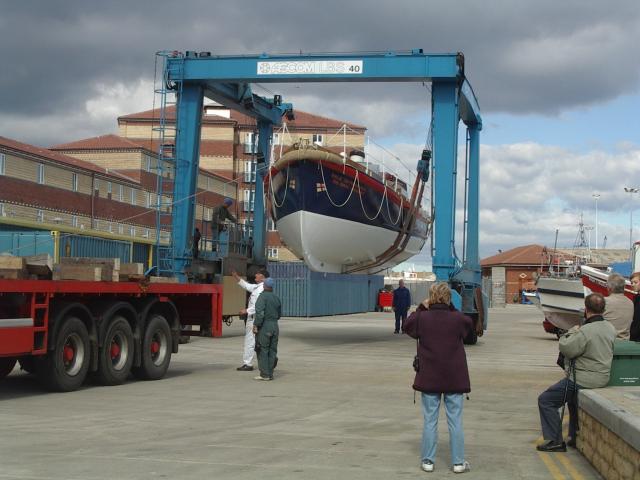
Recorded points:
(269, 282)
(227, 201)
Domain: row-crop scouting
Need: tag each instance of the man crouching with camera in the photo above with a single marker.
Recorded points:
(588, 352)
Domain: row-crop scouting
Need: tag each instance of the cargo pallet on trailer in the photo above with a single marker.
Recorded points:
(62, 330)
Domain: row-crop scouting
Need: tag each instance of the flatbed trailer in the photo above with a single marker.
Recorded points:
(64, 330)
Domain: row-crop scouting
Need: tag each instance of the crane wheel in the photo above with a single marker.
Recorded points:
(156, 349)
(116, 355)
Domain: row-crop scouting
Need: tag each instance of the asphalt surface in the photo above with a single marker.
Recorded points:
(341, 407)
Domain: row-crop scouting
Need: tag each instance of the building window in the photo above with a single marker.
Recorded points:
(147, 199)
(249, 201)
(74, 182)
(120, 193)
(272, 253)
(39, 215)
(133, 196)
(120, 228)
(249, 172)
(271, 225)
(109, 188)
(3, 161)
(74, 221)
(110, 227)
(148, 164)
(276, 139)
(41, 174)
(2, 212)
(250, 142)
(132, 231)
(146, 233)
(318, 139)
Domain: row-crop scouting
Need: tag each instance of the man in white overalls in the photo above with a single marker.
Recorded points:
(250, 311)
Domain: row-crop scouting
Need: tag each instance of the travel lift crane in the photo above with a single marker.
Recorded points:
(227, 79)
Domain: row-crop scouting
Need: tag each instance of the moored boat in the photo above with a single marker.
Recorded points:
(339, 215)
(561, 300)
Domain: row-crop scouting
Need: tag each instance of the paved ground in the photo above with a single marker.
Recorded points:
(341, 407)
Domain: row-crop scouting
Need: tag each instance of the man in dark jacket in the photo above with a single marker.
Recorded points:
(442, 371)
(634, 329)
(401, 304)
(218, 216)
(265, 326)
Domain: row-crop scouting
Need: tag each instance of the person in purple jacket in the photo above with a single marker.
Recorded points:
(442, 372)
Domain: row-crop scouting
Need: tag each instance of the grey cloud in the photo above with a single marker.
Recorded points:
(521, 56)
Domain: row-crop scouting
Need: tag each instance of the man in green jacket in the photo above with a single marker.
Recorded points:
(265, 326)
(588, 353)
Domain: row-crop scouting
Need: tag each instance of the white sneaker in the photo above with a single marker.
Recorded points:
(427, 466)
(462, 467)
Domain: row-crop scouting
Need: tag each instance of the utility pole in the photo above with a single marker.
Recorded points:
(596, 196)
(631, 191)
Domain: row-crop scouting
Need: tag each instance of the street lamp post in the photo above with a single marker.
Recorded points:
(631, 191)
(588, 228)
(596, 196)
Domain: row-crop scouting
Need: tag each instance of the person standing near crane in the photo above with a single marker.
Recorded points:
(249, 338)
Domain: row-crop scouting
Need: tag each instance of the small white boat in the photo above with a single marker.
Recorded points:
(562, 300)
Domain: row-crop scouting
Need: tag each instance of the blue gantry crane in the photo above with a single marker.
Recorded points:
(227, 80)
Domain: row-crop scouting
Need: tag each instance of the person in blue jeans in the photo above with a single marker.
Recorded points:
(401, 304)
(442, 372)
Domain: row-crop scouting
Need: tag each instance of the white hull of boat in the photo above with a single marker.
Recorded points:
(329, 244)
(562, 300)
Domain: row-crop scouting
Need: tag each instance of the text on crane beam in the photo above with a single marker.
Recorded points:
(311, 67)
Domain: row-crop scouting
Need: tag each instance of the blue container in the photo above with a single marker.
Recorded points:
(84, 246)
(305, 293)
(23, 243)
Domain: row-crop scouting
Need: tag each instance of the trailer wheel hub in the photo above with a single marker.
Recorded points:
(115, 350)
(155, 347)
(68, 353)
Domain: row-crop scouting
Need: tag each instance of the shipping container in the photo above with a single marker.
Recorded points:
(23, 243)
(305, 293)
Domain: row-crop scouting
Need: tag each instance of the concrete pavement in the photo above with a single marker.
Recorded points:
(341, 407)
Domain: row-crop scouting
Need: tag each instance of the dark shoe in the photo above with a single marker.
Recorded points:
(571, 443)
(396, 331)
(245, 368)
(275, 363)
(552, 446)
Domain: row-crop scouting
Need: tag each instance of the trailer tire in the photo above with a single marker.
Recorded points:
(65, 368)
(156, 349)
(6, 365)
(116, 355)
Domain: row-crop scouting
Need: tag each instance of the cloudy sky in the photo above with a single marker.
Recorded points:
(558, 84)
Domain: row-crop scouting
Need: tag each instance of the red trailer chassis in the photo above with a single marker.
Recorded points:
(62, 330)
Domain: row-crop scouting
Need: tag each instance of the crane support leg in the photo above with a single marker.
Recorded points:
(265, 131)
(189, 117)
(472, 257)
(445, 144)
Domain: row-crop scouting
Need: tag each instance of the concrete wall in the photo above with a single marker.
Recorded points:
(498, 286)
